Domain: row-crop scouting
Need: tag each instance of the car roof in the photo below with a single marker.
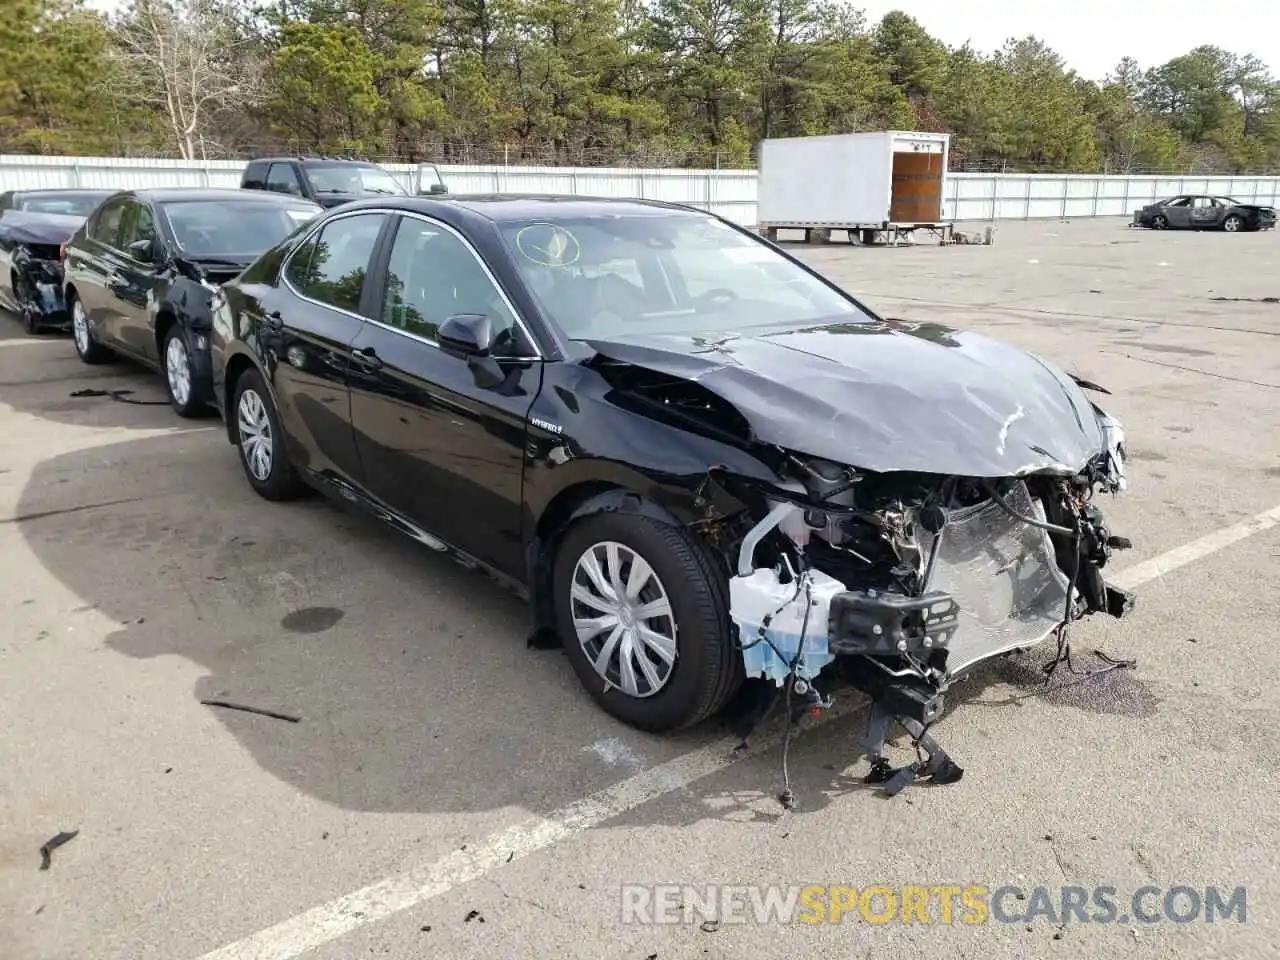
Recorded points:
(173, 194)
(297, 159)
(508, 207)
(78, 190)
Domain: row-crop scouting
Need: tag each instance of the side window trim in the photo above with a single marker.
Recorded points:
(384, 257)
(386, 216)
(372, 295)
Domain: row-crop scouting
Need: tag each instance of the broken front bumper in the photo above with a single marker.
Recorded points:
(994, 586)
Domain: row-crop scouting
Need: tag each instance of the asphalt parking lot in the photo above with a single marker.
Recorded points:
(448, 792)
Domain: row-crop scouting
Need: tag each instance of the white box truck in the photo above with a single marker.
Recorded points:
(879, 187)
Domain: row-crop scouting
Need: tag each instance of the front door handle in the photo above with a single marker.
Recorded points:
(274, 321)
(368, 357)
(115, 281)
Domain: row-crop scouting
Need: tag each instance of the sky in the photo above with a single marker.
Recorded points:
(1091, 35)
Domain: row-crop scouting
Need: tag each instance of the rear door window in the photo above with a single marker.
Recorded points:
(331, 266)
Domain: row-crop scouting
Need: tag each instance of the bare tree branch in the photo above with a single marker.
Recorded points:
(186, 58)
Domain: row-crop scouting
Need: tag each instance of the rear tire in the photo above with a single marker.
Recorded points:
(260, 441)
(87, 349)
(705, 669)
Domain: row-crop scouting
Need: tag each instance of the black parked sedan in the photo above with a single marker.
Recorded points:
(1194, 212)
(34, 224)
(141, 270)
(694, 454)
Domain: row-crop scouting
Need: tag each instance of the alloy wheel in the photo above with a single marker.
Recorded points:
(177, 367)
(623, 618)
(254, 426)
(80, 327)
(1231, 224)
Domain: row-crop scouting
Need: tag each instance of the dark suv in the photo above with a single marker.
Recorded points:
(328, 181)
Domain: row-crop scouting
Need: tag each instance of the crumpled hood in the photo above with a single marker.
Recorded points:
(888, 396)
(44, 228)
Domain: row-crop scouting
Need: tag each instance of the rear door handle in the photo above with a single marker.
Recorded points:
(116, 280)
(368, 357)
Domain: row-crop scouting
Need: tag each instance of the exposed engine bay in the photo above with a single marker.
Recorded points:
(901, 583)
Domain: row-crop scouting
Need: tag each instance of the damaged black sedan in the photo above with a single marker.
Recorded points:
(142, 270)
(34, 225)
(699, 459)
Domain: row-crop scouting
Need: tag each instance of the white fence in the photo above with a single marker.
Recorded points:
(730, 193)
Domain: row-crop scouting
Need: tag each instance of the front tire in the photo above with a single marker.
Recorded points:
(1159, 222)
(260, 441)
(179, 373)
(87, 349)
(1233, 224)
(644, 614)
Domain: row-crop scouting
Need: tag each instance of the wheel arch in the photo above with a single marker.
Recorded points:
(237, 366)
(166, 317)
(571, 503)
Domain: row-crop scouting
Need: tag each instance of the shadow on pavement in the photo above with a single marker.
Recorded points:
(39, 374)
(411, 675)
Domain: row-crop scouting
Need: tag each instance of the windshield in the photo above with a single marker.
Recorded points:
(607, 277)
(353, 178)
(64, 204)
(234, 229)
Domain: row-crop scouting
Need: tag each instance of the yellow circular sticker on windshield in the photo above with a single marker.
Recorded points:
(548, 245)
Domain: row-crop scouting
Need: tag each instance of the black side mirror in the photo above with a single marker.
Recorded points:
(143, 250)
(466, 335)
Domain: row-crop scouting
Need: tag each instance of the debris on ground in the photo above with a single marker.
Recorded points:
(228, 705)
(120, 395)
(46, 851)
(710, 926)
(473, 915)
(1247, 299)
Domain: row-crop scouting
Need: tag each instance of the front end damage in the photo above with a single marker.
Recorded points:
(927, 502)
(902, 583)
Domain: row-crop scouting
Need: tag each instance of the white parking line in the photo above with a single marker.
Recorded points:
(1140, 573)
(327, 922)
